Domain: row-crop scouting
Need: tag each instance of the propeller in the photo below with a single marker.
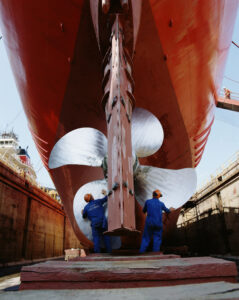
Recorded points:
(88, 146)
(83, 146)
(147, 133)
(177, 186)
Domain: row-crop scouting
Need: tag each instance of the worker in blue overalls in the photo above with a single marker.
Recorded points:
(153, 224)
(95, 212)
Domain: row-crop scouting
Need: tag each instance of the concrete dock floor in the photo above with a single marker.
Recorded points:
(213, 290)
(9, 285)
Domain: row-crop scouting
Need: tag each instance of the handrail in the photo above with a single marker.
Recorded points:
(231, 164)
(201, 215)
(24, 175)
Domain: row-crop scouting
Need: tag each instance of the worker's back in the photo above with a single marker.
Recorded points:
(95, 212)
(154, 208)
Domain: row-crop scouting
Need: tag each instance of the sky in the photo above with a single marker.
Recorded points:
(222, 144)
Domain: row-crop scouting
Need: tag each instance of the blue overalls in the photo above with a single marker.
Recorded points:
(153, 224)
(95, 212)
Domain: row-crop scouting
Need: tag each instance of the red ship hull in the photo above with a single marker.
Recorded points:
(179, 60)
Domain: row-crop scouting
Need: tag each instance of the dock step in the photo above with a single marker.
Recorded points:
(105, 271)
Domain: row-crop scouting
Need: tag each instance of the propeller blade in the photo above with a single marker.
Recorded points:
(177, 186)
(83, 146)
(94, 188)
(147, 132)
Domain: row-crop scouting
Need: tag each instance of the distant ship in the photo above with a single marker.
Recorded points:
(15, 157)
(18, 159)
(174, 57)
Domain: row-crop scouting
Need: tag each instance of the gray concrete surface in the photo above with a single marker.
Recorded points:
(132, 264)
(215, 290)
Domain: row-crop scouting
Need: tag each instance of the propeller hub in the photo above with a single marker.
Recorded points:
(104, 165)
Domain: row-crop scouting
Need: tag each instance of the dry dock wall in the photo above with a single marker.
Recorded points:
(32, 224)
(211, 225)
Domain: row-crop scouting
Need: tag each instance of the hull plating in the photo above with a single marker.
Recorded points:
(179, 60)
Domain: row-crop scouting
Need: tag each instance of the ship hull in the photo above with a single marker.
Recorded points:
(179, 59)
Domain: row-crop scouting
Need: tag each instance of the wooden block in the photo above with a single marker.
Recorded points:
(71, 253)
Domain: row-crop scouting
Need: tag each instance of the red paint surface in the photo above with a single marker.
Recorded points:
(117, 285)
(121, 203)
(179, 60)
(25, 159)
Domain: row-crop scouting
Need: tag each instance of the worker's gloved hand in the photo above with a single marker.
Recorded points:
(104, 192)
(82, 212)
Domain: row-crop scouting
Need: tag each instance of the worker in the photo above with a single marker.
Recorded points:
(95, 212)
(227, 93)
(153, 224)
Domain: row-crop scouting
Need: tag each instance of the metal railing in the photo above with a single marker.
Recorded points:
(25, 176)
(233, 95)
(230, 167)
(204, 214)
(20, 172)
